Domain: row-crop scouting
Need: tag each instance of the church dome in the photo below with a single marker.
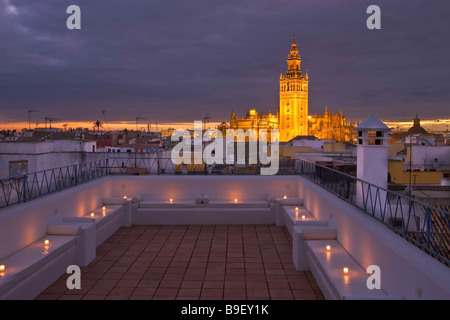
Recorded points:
(416, 128)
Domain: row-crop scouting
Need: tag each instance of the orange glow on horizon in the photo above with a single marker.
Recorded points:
(110, 126)
(430, 125)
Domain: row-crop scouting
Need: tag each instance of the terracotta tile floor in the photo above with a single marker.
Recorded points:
(223, 262)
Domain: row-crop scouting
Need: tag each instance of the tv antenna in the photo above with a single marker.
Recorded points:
(106, 120)
(29, 117)
(50, 120)
(137, 120)
(205, 120)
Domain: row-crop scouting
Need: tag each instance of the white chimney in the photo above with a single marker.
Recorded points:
(372, 161)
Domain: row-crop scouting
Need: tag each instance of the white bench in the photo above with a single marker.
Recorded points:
(289, 217)
(98, 225)
(32, 269)
(327, 269)
(202, 210)
(303, 233)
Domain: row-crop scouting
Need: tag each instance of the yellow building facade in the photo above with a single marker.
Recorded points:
(293, 107)
(254, 120)
(398, 175)
(331, 126)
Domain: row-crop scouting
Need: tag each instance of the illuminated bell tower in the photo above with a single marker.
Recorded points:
(293, 108)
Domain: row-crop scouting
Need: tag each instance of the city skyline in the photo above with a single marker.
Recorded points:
(179, 61)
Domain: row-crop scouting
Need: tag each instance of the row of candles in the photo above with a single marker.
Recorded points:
(47, 243)
(171, 200)
(3, 267)
(345, 270)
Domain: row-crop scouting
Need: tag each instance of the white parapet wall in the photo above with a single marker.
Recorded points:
(187, 187)
(406, 271)
(24, 223)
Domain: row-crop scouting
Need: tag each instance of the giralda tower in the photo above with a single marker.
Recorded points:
(293, 108)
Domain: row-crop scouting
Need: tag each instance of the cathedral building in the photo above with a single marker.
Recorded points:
(292, 115)
(331, 126)
(253, 120)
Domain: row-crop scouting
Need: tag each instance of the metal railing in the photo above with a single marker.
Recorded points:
(420, 223)
(22, 188)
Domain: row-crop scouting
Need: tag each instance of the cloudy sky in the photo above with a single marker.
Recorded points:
(177, 60)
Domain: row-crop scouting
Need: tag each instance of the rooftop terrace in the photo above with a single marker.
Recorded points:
(192, 262)
(216, 236)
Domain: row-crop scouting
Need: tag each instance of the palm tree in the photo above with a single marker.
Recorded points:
(98, 124)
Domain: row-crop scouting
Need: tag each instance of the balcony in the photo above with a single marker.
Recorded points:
(135, 234)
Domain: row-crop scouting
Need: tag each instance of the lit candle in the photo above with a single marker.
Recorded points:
(345, 270)
(92, 214)
(2, 267)
(284, 197)
(296, 208)
(46, 242)
(235, 200)
(303, 217)
(103, 208)
(170, 200)
(328, 248)
(124, 197)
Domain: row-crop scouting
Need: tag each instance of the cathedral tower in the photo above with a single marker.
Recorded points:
(293, 108)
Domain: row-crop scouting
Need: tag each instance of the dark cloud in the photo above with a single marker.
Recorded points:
(178, 60)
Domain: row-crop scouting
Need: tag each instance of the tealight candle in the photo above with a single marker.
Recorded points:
(235, 200)
(103, 208)
(296, 208)
(285, 197)
(170, 200)
(303, 217)
(92, 214)
(328, 248)
(345, 270)
(46, 242)
(2, 267)
(124, 197)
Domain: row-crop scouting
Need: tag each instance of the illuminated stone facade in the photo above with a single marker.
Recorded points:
(253, 120)
(292, 115)
(293, 107)
(331, 126)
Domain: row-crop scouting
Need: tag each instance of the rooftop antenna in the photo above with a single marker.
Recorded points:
(205, 120)
(137, 120)
(29, 117)
(50, 120)
(106, 120)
